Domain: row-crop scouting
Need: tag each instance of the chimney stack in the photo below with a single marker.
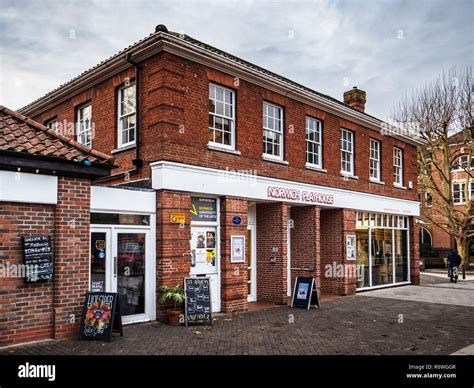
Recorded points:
(355, 98)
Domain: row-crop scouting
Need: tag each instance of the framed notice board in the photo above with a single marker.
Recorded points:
(100, 316)
(198, 308)
(38, 258)
(305, 293)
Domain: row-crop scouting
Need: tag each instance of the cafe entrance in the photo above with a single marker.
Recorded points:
(120, 262)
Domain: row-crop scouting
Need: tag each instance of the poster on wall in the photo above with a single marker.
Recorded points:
(351, 247)
(203, 209)
(237, 248)
(203, 249)
(100, 316)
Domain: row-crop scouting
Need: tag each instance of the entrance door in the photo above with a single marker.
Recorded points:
(205, 259)
(250, 256)
(288, 263)
(118, 264)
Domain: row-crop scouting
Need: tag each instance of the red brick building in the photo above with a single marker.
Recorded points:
(232, 150)
(434, 238)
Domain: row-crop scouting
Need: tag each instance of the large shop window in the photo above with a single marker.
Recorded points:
(382, 249)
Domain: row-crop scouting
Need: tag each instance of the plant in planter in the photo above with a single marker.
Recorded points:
(176, 295)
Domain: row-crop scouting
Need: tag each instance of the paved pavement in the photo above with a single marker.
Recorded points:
(364, 324)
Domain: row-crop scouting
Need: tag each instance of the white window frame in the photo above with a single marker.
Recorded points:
(315, 126)
(121, 116)
(457, 165)
(462, 190)
(52, 124)
(223, 116)
(374, 159)
(397, 166)
(426, 199)
(79, 130)
(278, 132)
(349, 139)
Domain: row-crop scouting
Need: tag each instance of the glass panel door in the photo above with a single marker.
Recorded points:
(382, 264)
(129, 271)
(100, 260)
(401, 255)
(250, 259)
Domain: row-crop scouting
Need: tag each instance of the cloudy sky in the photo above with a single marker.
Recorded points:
(383, 47)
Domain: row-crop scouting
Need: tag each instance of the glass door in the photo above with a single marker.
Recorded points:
(129, 271)
(119, 264)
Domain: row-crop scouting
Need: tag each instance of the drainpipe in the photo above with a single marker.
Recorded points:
(137, 162)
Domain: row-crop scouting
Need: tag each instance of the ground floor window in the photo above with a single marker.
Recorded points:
(382, 249)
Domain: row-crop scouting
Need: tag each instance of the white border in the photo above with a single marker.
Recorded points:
(28, 188)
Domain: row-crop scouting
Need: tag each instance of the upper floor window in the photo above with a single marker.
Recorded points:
(272, 131)
(428, 199)
(461, 163)
(314, 155)
(221, 117)
(126, 115)
(374, 160)
(397, 166)
(347, 152)
(459, 192)
(84, 125)
(52, 124)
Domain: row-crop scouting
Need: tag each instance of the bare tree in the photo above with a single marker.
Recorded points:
(441, 114)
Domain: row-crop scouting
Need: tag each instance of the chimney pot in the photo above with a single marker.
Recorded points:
(161, 28)
(355, 98)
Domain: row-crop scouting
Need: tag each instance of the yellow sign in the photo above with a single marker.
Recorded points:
(177, 218)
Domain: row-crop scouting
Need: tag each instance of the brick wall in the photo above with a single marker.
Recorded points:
(414, 251)
(233, 275)
(26, 310)
(336, 224)
(71, 278)
(272, 226)
(30, 312)
(174, 108)
(305, 243)
(172, 244)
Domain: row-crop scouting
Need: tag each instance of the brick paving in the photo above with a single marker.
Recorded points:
(350, 325)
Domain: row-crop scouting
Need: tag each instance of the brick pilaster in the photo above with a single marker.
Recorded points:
(414, 251)
(272, 252)
(172, 244)
(71, 254)
(234, 291)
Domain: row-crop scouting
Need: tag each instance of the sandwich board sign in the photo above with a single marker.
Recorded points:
(198, 308)
(100, 316)
(305, 293)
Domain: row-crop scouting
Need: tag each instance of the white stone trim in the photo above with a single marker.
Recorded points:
(203, 180)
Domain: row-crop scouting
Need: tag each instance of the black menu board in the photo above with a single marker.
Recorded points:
(38, 258)
(198, 300)
(100, 316)
(305, 293)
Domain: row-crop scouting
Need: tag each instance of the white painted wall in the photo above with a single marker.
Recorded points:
(176, 176)
(29, 188)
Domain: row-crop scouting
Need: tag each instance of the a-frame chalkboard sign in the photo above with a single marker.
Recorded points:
(198, 305)
(305, 293)
(100, 316)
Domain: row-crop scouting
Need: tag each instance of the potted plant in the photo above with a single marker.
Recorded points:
(176, 295)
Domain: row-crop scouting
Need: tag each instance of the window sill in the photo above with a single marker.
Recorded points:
(345, 175)
(399, 186)
(274, 160)
(312, 167)
(376, 181)
(122, 149)
(222, 149)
